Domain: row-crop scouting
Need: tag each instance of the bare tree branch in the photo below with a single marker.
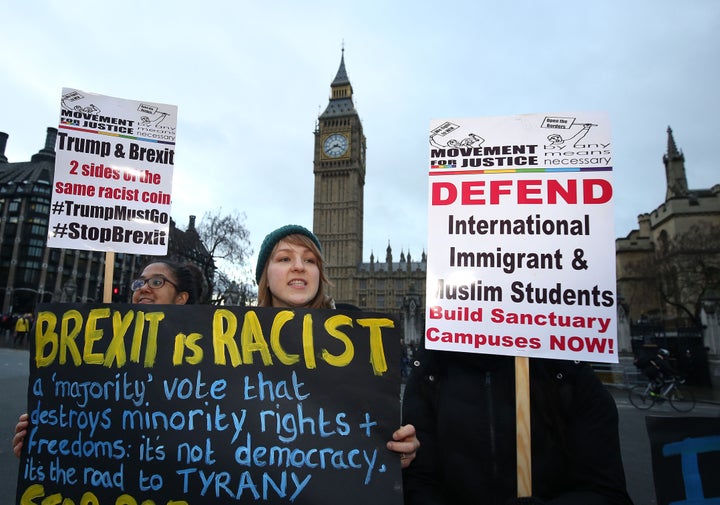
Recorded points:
(228, 240)
(684, 270)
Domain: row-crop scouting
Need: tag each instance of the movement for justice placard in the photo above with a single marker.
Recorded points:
(113, 174)
(521, 256)
(189, 405)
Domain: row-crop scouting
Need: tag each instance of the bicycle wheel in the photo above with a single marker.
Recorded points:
(640, 397)
(682, 399)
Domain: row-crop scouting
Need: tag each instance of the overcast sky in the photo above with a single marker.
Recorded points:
(250, 78)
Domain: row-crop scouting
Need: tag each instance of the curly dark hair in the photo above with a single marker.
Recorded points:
(188, 276)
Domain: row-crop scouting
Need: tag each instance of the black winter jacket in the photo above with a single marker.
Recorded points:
(463, 408)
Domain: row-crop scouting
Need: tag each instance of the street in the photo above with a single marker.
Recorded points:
(636, 445)
(13, 402)
(633, 435)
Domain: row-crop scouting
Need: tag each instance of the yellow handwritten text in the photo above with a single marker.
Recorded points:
(110, 337)
(60, 344)
(252, 340)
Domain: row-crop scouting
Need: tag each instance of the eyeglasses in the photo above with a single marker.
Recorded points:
(152, 282)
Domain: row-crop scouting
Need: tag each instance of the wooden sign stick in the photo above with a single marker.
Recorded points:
(108, 280)
(522, 416)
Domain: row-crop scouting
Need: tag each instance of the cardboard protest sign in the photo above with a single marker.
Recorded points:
(521, 254)
(685, 459)
(113, 174)
(198, 404)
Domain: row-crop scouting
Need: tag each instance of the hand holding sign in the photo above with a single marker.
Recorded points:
(252, 404)
(520, 263)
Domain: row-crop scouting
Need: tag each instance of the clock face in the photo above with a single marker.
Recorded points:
(335, 145)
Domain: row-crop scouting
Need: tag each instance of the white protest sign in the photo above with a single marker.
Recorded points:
(113, 174)
(521, 257)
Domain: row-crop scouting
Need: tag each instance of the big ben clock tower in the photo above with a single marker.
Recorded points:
(339, 168)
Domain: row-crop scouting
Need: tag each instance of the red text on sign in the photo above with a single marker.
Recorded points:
(523, 192)
(577, 344)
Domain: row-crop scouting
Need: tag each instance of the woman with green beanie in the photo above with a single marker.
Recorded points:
(290, 270)
(291, 273)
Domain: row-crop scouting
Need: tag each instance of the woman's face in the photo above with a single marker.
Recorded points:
(293, 275)
(167, 293)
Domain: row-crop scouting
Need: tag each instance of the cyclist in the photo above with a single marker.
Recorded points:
(657, 368)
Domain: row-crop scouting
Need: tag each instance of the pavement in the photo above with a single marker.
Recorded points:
(707, 395)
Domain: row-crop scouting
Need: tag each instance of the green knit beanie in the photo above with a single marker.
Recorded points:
(276, 236)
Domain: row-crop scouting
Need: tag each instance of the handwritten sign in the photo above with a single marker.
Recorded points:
(521, 257)
(197, 404)
(685, 458)
(113, 174)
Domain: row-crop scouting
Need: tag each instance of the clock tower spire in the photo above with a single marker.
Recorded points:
(339, 168)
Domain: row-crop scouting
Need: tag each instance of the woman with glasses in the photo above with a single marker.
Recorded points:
(167, 282)
(161, 282)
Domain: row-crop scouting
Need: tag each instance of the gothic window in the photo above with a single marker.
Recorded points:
(663, 243)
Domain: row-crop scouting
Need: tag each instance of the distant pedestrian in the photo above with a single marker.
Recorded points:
(6, 326)
(22, 327)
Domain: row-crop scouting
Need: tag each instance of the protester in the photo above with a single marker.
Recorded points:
(6, 325)
(161, 282)
(167, 282)
(290, 273)
(463, 407)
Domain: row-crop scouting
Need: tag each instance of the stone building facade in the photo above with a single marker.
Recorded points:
(668, 269)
